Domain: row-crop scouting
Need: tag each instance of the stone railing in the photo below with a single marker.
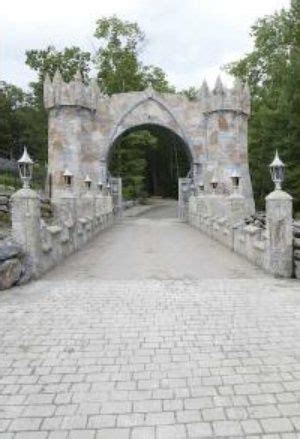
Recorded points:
(76, 220)
(297, 249)
(270, 248)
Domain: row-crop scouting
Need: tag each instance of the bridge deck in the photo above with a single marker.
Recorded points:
(151, 332)
(154, 245)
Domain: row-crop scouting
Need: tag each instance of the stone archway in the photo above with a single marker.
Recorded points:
(83, 123)
(163, 166)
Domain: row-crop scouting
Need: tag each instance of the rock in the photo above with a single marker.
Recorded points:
(297, 269)
(4, 200)
(4, 208)
(297, 255)
(27, 270)
(10, 271)
(9, 250)
(297, 243)
(296, 227)
(6, 190)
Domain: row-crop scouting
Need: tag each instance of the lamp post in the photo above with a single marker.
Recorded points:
(25, 165)
(277, 169)
(68, 178)
(108, 187)
(88, 182)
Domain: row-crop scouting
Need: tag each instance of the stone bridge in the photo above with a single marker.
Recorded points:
(154, 329)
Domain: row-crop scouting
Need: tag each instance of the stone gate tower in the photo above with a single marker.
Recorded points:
(84, 124)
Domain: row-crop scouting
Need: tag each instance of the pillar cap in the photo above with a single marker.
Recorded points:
(279, 195)
(25, 193)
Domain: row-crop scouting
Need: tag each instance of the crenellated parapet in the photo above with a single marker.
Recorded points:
(74, 93)
(221, 98)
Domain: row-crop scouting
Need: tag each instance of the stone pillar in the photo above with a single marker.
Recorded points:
(236, 208)
(65, 207)
(279, 249)
(236, 214)
(26, 216)
(87, 205)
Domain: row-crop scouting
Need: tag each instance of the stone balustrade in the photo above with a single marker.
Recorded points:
(270, 248)
(76, 220)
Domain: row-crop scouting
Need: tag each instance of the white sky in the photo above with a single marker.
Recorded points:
(189, 39)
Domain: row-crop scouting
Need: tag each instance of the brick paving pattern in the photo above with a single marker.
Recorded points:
(85, 356)
(150, 360)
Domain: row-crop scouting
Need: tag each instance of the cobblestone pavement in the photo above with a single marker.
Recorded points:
(150, 359)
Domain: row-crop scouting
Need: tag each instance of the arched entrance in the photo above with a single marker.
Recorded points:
(150, 159)
(84, 124)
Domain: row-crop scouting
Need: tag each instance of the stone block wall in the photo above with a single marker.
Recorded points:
(58, 241)
(75, 221)
(267, 247)
(297, 250)
(85, 125)
(13, 263)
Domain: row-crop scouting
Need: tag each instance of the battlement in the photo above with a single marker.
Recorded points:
(75, 93)
(221, 98)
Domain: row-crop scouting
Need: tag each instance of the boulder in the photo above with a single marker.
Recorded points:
(297, 255)
(296, 227)
(4, 208)
(9, 250)
(4, 200)
(297, 269)
(27, 271)
(10, 271)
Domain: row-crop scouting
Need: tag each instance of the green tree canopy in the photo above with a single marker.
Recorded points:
(272, 70)
(141, 156)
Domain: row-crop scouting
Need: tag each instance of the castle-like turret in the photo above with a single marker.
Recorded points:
(75, 93)
(221, 98)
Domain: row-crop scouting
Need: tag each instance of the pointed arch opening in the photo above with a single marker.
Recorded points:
(150, 158)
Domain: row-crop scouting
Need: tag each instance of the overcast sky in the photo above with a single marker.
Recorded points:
(189, 39)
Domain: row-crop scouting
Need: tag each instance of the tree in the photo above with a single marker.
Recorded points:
(272, 70)
(68, 61)
(18, 120)
(117, 59)
(119, 69)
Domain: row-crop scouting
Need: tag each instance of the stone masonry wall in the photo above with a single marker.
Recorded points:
(297, 250)
(41, 245)
(84, 125)
(222, 219)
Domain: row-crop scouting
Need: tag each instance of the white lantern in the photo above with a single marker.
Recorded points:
(25, 165)
(201, 185)
(277, 169)
(100, 185)
(88, 182)
(235, 179)
(214, 182)
(68, 178)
